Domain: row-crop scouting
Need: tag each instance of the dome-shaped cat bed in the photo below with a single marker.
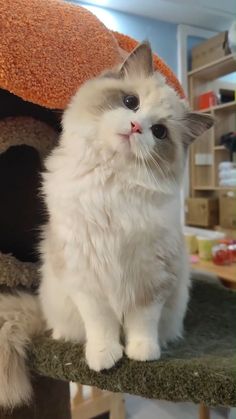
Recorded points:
(21, 155)
(47, 49)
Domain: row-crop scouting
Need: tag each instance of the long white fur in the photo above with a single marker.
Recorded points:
(20, 319)
(112, 250)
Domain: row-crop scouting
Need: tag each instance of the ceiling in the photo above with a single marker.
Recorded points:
(215, 15)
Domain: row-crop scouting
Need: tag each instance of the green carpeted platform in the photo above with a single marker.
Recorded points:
(202, 367)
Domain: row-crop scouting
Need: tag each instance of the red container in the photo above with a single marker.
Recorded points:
(221, 254)
(224, 253)
(206, 100)
(232, 249)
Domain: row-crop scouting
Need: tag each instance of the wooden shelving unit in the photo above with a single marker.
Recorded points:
(204, 178)
(204, 181)
(215, 69)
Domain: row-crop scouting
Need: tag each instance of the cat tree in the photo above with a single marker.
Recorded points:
(47, 49)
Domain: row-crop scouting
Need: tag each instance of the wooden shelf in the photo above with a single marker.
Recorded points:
(227, 272)
(214, 188)
(204, 188)
(225, 188)
(225, 106)
(220, 147)
(215, 69)
(221, 107)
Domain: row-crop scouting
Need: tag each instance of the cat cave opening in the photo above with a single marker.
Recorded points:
(27, 134)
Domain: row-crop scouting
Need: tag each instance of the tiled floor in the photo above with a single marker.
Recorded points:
(138, 408)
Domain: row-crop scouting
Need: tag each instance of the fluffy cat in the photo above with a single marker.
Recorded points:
(112, 252)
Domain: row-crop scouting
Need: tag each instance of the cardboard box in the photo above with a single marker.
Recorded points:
(202, 212)
(211, 50)
(228, 232)
(228, 210)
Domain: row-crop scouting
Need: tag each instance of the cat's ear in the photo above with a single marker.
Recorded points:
(196, 124)
(138, 62)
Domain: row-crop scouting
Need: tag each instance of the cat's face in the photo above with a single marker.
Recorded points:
(133, 114)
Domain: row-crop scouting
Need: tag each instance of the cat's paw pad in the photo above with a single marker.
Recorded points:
(143, 350)
(101, 357)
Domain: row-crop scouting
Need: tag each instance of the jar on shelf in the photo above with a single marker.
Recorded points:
(224, 252)
(232, 249)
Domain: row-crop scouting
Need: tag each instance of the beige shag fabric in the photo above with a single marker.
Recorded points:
(48, 48)
(26, 130)
(14, 273)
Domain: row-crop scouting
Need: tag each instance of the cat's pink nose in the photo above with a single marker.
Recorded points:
(136, 127)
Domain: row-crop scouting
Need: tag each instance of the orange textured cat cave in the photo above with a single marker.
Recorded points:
(49, 47)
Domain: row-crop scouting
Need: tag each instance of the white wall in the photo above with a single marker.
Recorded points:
(162, 35)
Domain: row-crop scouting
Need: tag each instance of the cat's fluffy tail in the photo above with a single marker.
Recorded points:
(20, 320)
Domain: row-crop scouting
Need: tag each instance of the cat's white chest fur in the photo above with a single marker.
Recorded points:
(111, 235)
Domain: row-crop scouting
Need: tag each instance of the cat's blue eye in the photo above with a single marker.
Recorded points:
(159, 131)
(131, 102)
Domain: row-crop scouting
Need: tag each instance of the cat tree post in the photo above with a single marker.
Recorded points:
(51, 401)
(204, 411)
(97, 403)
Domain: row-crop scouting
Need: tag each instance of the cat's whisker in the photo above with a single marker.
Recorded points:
(159, 168)
(159, 160)
(149, 170)
(144, 164)
(155, 164)
(165, 163)
(152, 175)
(166, 174)
(136, 160)
(156, 179)
(139, 159)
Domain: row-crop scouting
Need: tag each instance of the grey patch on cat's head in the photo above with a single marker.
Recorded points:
(183, 133)
(139, 61)
(167, 154)
(166, 150)
(111, 74)
(111, 98)
(196, 124)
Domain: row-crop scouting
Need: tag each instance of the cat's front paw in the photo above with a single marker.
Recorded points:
(143, 350)
(100, 357)
(56, 334)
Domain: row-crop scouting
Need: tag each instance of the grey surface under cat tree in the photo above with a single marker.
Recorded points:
(202, 367)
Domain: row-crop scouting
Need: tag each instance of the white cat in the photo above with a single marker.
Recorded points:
(112, 251)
